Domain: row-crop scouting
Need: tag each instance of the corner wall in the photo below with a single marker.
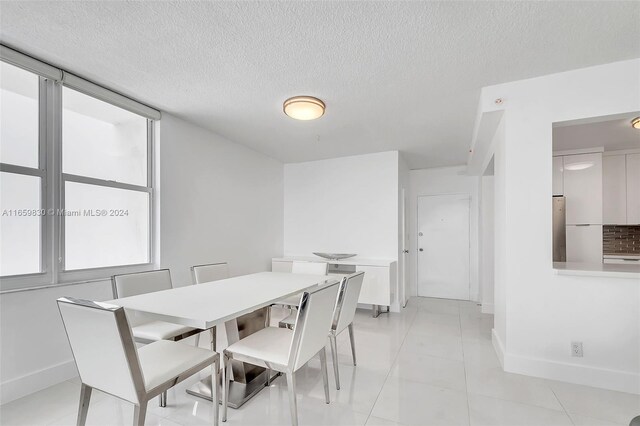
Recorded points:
(220, 201)
(538, 313)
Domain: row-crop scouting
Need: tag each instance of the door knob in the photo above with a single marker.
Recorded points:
(421, 249)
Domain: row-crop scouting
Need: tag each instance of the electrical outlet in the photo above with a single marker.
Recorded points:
(576, 349)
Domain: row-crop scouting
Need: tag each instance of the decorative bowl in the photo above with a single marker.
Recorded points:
(335, 256)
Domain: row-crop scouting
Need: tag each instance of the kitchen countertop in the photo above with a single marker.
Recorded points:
(350, 261)
(597, 269)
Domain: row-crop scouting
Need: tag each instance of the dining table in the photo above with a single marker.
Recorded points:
(240, 304)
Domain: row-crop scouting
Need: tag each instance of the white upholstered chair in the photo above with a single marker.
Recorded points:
(204, 274)
(344, 313)
(302, 267)
(144, 330)
(107, 359)
(209, 272)
(285, 350)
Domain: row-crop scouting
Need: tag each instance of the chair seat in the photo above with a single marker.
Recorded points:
(293, 301)
(159, 330)
(268, 346)
(164, 360)
(290, 320)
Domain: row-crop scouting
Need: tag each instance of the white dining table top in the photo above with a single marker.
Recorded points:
(209, 304)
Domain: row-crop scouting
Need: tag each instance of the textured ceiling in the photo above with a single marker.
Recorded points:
(394, 75)
(610, 134)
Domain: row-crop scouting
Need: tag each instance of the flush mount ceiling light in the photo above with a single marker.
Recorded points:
(303, 107)
(636, 123)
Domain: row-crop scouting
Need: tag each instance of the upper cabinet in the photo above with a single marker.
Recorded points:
(621, 189)
(633, 189)
(614, 189)
(582, 176)
(557, 176)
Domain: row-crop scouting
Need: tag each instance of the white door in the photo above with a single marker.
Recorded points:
(443, 246)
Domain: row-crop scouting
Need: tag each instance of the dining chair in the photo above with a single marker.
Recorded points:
(302, 267)
(204, 274)
(343, 316)
(147, 331)
(285, 350)
(107, 359)
(209, 272)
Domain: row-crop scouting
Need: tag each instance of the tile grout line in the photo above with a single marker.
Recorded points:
(562, 405)
(392, 365)
(464, 366)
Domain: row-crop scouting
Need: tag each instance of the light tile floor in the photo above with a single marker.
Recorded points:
(432, 364)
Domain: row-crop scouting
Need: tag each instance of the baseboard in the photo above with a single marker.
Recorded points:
(487, 308)
(617, 380)
(498, 346)
(33, 382)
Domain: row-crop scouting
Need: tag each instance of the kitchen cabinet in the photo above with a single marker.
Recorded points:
(582, 176)
(614, 189)
(584, 243)
(558, 187)
(633, 189)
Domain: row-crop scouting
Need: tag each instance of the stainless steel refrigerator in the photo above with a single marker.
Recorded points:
(559, 229)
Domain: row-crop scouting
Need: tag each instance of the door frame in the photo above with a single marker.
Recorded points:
(417, 227)
(404, 248)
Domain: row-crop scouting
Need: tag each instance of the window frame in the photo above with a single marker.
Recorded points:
(52, 227)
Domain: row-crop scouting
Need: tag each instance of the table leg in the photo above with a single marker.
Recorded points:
(248, 379)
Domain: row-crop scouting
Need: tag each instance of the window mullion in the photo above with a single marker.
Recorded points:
(54, 170)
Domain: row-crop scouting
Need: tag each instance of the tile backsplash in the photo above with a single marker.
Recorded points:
(621, 239)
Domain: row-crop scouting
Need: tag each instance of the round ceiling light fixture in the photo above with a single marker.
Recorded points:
(636, 123)
(304, 107)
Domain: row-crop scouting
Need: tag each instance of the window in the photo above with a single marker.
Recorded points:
(21, 177)
(106, 192)
(76, 193)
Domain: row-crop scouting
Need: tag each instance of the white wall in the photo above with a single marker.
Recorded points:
(219, 201)
(343, 205)
(537, 312)
(438, 181)
(486, 246)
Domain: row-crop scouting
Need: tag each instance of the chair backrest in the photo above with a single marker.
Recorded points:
(347, 301)
(140, 283)
(313, 323)
(103, 347)
(311, 268)
(211, 272)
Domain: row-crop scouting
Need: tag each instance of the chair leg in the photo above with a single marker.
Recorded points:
(334, 355)
(197, 340)
(139, 413)
(226, 378)
(83, 409)
(214, 390)
(213, 336)
(293, 404)
(353, 343)
(325, 376)
(162, 399)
